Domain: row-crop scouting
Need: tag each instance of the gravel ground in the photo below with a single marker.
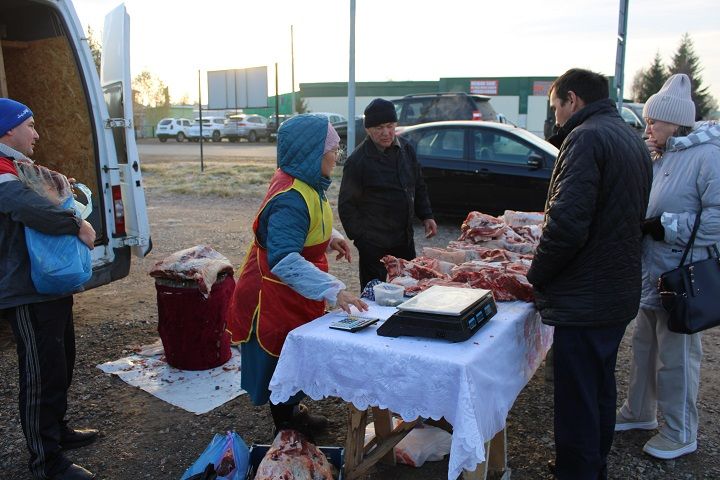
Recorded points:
(144, 437)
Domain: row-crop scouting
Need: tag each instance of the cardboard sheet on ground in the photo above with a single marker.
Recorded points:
(195, 391)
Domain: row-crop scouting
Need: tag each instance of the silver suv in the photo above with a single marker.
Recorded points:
(247, 126)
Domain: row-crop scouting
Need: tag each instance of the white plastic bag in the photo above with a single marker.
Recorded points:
(424, 443)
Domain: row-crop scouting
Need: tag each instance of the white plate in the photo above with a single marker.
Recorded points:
(443, 300)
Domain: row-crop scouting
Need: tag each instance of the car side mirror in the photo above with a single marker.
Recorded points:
(535, 161)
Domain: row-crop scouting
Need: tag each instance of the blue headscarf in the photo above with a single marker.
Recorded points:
(301, 144)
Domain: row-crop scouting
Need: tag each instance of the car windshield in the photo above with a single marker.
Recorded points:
(167, 121)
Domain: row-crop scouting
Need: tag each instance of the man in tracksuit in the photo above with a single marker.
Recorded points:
(586, 270)
(42, 324)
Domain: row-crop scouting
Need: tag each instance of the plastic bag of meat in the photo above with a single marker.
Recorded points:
(227, 454)
(200, 263)
(292, 457)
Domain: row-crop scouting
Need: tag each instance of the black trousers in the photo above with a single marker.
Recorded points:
(45, 339)
(370, 255)
(585, 399)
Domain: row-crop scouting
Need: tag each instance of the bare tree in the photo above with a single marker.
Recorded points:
(150, 91)
(95, 48)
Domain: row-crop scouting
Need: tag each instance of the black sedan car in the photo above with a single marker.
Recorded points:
(485, 166)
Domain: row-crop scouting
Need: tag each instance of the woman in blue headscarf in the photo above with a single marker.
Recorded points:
(284, 281)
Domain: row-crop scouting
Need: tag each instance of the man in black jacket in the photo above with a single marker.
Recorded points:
(586, 271)
(382, 190)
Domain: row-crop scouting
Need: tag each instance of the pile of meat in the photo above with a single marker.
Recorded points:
(492, 253)
(292, 457)
(200, 263)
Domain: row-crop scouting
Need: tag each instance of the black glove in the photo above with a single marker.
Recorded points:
(654, 228)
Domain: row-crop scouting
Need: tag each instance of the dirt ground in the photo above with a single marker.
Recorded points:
(144, 437)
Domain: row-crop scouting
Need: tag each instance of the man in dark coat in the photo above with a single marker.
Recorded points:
(42, 324)
(586, 271)
(382, 190)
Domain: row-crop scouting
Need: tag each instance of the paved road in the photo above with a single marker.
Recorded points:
(152, 150)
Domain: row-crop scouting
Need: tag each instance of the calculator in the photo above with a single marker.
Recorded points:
(353, 323)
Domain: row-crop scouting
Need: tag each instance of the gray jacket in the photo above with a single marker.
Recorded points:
(19, 207)
(685, 177)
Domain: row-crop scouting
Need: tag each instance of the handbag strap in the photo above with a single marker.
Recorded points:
(691, 242)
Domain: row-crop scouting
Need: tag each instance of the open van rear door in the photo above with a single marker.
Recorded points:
(129, 208)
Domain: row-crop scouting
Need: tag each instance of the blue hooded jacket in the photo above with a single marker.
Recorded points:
(301, 141)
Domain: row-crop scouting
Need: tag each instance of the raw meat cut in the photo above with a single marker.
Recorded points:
(292, 457)
(199, 263)
(479, 227)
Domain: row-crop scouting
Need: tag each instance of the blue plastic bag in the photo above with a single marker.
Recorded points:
(214, 454)
(59, 264)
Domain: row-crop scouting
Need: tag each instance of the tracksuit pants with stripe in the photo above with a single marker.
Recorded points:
(45, 339)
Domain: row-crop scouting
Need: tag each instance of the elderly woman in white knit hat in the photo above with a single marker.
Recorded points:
(665, 368)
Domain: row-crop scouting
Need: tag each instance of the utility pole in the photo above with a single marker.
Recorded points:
(202, 166)
(292, 66)
(620, 55)
(277, 99)
(351, 84)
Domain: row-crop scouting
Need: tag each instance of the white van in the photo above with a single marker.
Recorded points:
(85, 124)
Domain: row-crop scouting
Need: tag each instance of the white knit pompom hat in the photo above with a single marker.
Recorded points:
(672, 103)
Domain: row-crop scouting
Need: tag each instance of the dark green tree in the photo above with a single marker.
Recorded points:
(686, 61)
(647, 82)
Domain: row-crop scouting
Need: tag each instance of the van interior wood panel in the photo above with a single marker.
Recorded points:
(43, 75)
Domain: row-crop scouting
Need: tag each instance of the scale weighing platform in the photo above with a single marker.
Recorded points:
(449, 313)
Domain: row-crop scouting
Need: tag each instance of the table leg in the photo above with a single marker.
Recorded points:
(383, 428)
(495, 459)
(355, 439)
(357, 464)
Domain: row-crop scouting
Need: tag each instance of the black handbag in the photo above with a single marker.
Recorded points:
(691, 293)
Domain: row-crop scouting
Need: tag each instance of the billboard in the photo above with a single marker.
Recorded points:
(238, 88)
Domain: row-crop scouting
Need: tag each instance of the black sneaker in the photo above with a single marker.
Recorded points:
(70, 438)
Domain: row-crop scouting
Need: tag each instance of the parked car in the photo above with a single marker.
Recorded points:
(632, 114)
(360, 134)
(176, 128)
(248, 126)
(435, 107)
(485, 166)
(332, 117)
(272, 126)
(213, 128)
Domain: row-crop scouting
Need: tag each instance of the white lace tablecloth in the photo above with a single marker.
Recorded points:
(473, 384)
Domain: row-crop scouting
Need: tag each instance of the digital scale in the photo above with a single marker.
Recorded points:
(449, 313)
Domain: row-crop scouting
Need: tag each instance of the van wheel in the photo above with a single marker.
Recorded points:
(252, 136)
(216, 136)
(180, 137)
(162, 139)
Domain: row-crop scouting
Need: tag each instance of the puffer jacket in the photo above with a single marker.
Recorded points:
(685, 177)
(586, 270)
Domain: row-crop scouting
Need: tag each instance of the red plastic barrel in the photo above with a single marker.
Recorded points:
(193, 328)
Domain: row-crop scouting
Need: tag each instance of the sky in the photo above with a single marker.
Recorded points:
(397, 40)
